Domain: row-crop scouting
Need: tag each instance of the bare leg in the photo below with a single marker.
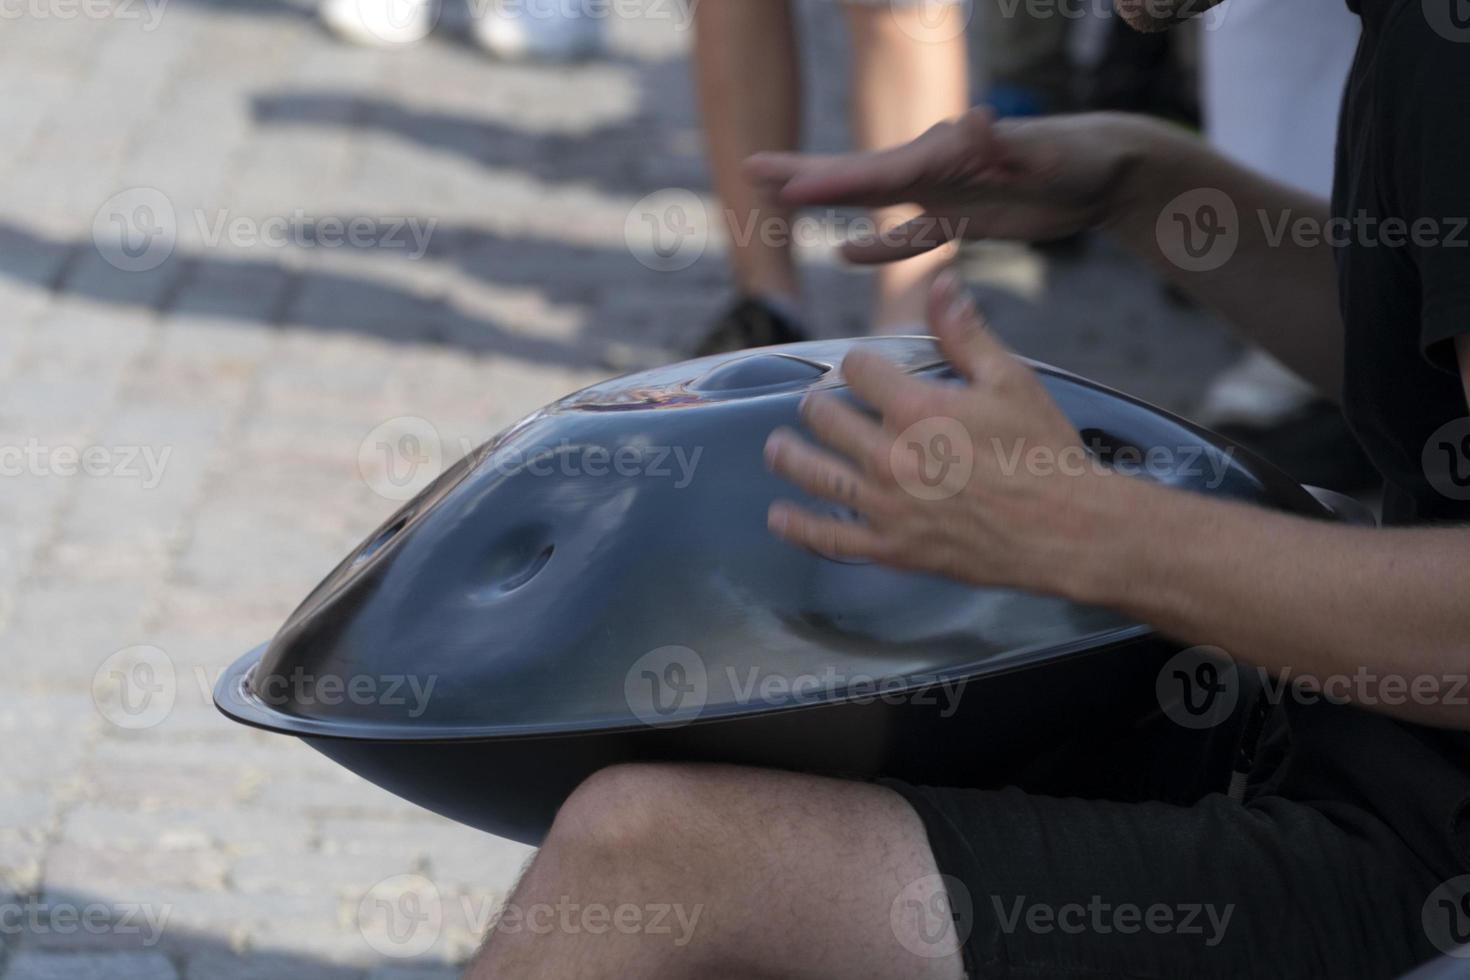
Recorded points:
(767, 874)
(909, 71)
(749, 85)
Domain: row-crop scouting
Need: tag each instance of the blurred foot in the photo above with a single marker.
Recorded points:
(751, 322)
(1314, 446)
(1067, 248)
(378, 23)
(1266, 408)
(535, 30)
(1256, 391)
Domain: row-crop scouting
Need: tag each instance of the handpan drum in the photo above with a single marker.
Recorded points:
(597, 585)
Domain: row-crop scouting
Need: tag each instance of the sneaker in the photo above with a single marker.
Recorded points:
(1262, 405)
(1314, 446)
(378, 23)
(749, 323)
(535, 30)
(1256, 391)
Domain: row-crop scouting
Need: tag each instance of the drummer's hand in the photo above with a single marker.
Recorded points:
(985, 482)
(974, 177)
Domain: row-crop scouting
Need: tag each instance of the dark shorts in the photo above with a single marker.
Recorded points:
(1047, 887)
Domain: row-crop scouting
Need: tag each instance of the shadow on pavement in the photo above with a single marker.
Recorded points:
(276, 290)
(67, 935)
(610, 158)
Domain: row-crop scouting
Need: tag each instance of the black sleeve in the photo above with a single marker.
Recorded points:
(1432, 176)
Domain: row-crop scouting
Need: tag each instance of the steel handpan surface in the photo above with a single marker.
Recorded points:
(607, 558)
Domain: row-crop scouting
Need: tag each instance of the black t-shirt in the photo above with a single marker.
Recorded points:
(1404, 287)
(1401, 203)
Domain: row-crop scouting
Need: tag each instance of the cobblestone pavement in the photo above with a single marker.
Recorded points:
(183, 432)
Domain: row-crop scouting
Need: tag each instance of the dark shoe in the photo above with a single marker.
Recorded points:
(749, 323)
(1314, 446)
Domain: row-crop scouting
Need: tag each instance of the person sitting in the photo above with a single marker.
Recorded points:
(1353, 840)
(909, 71)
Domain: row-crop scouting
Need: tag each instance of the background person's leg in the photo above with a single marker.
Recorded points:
(749, 86)
(766, 874)
(1271, 81)
(910, 70)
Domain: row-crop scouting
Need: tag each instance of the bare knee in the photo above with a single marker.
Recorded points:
(624, 808)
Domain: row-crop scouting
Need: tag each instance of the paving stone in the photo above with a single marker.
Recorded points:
(236, 830)
(25, 809)
(406, 841)
(47, 760)
(218, 748)
(52, 391)
(20, 862)
(266, 966)
(186, 922)
(151, 787)
(320, 797)
(68, 631)
(92, 276)
(415, 973)
(89, 966)
(308, 874)
(74, 869)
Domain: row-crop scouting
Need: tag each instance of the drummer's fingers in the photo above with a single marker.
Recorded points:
(820, 473)
(845, 429)
(871, 179)
(916, 236)
(901, 397)
(826, 535)
(771, 171)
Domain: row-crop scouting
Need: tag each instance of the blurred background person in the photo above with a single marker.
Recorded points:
(1264, 81)
(152, 317)
(909, 70)
(545, 30)
(1051, 56)
(1271, 81)
(1026, 58)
